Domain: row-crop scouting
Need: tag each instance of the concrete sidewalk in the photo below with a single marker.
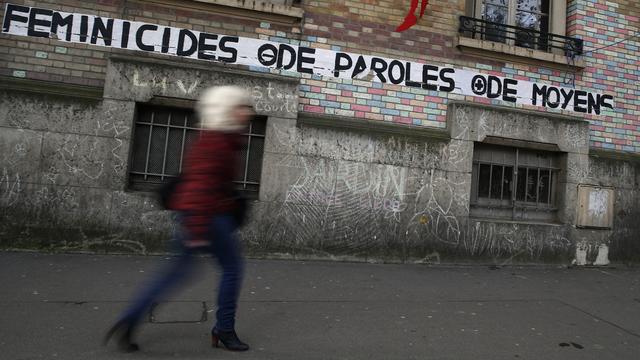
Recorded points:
(58, 307)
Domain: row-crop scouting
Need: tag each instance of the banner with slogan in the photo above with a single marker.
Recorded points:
(139, 36)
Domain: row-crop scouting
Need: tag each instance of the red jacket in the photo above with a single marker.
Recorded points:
(206, 188)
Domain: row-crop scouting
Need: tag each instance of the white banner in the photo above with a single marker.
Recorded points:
(138, 36)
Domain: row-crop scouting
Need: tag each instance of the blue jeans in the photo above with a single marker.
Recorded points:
(225, 248)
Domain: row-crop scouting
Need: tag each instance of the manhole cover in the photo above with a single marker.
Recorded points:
(173, 312)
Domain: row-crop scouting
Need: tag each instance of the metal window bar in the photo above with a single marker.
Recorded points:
(538, 188)
(150, 174)
(184, 139)
(492, 163)
(501, 166)
(490, 178)
(246, 160)
(166, 145)
(477, 181)
(146, 163)
(169, 126)
(250, 135)
(551, 172)
(550, 164)
(550, 186)
(526, 186)
(146, 175)
(502, 183)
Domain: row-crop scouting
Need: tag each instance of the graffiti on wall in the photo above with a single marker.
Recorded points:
(40, 171)
(379, 205)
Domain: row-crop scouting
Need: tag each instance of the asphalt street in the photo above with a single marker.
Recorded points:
(57, 306)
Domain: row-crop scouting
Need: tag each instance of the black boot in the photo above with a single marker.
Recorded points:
(123, 332)
(229, 339)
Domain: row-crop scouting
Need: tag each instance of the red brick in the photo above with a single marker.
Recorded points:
(360, 108)
(377, 91)
(313, 108)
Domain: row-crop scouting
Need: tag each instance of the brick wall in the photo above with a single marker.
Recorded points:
(367, 27)
(52, 60)
(614, 69)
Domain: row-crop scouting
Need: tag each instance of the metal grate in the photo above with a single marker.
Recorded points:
(513, 181)
(161, 137)
(251, 157)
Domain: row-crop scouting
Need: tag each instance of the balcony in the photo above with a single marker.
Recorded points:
(527, 45)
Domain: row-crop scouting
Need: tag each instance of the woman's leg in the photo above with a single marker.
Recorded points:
(226, 248)
(173, 275)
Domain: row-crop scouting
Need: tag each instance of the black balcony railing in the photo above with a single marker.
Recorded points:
(518, 36)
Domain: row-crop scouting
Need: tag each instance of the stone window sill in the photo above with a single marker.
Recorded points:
(497, 51)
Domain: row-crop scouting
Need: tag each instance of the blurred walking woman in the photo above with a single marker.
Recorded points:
(205, 206)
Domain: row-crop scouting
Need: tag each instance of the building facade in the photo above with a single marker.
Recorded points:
(416, 131)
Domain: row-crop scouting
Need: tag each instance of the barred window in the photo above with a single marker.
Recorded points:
(523, 23)
(163, 134)
(514, 183)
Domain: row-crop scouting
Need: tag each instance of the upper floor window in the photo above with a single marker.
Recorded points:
(527, 14)
(534, 24)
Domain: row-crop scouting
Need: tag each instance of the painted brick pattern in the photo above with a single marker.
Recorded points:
(367, 27)
(614, 69)
(51, 60)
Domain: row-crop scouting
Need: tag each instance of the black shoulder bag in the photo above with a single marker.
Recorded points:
(167, 189)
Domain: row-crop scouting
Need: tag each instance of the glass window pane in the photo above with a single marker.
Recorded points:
(144, 114)
(483, 181)
(522, 184)
(179, 118)
(259, 125)
(552, 189)
(156, 152)
(497, 2)
(192, 121)
(528, 5)
(255, 159)
(242, 163)
(528, 20)
(496, 182)
(497, 14)
(532, 185)
(174, 149)
(545, 182)
(507, 183)
(141, 137)
(161, 116)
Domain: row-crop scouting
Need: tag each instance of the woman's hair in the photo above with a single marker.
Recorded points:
(215, 107)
